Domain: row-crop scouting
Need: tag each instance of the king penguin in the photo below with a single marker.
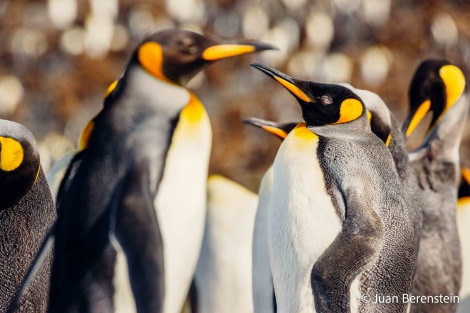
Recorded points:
(463, 222)
(339, 227)
(264, 300)
(140, 183)
(26, 213)
(438, 87)
(223, 273)
(387, 128)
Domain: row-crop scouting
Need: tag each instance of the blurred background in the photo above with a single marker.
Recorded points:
(57, 58)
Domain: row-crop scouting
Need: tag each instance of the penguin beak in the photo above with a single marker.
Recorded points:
(223, 51)
(285, 80)
(268, 126)
(416, 117)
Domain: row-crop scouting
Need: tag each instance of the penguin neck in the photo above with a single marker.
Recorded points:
(166, 97)
(353, 129)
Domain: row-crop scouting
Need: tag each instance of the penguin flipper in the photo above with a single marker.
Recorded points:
(33, 268)
(139, 235)
(351, 251)
(193, 297)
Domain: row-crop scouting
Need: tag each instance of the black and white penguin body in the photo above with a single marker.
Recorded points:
(338, 215)
(139, 184)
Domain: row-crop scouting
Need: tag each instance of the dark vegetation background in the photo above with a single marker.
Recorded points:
(57, 58)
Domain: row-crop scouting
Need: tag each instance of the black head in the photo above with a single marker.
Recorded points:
(177, 55)
(321, 104)
(280, 130)
(19, 163)
(435, 87)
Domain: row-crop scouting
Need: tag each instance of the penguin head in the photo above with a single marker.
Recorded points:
(177, 55)
(436, 86)
(19, 162)
(321, 104)
(377, 112)
(280, 130)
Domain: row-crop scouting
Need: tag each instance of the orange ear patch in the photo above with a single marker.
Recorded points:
(151, 58)
(349, 110)
(454, 82)
(11, 154)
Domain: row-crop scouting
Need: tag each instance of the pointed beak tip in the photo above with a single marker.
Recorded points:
(265, 46)
(246, 120)
(253, 121)
(265, 69)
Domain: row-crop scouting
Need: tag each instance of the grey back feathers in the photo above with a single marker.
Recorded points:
(436, 164)
(23, 225)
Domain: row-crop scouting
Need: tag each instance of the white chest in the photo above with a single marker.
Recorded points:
(302, 222)
(223, 274)
(262, 277)
(180, 206)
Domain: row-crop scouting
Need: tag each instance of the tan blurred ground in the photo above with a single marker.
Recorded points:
(373, 44)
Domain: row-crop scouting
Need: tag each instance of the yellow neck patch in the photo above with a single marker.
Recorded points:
(150, 56)
(465, 171)
(275, 131)
(194, 111)
(387, 142)
(420, 113)
(454, 82)
(225, 51)
(302, 137)
(463, 202)
(11, 155)
(301, 131)
(349, 110)
(293, 88)
(111, 88)
(192, 120)
(85, 135)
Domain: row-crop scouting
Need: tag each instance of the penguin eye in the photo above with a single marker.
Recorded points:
(188, 47)
(325, 100)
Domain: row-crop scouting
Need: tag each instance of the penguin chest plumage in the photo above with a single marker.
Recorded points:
(181, 201)
(262, 278)
(302, 220)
